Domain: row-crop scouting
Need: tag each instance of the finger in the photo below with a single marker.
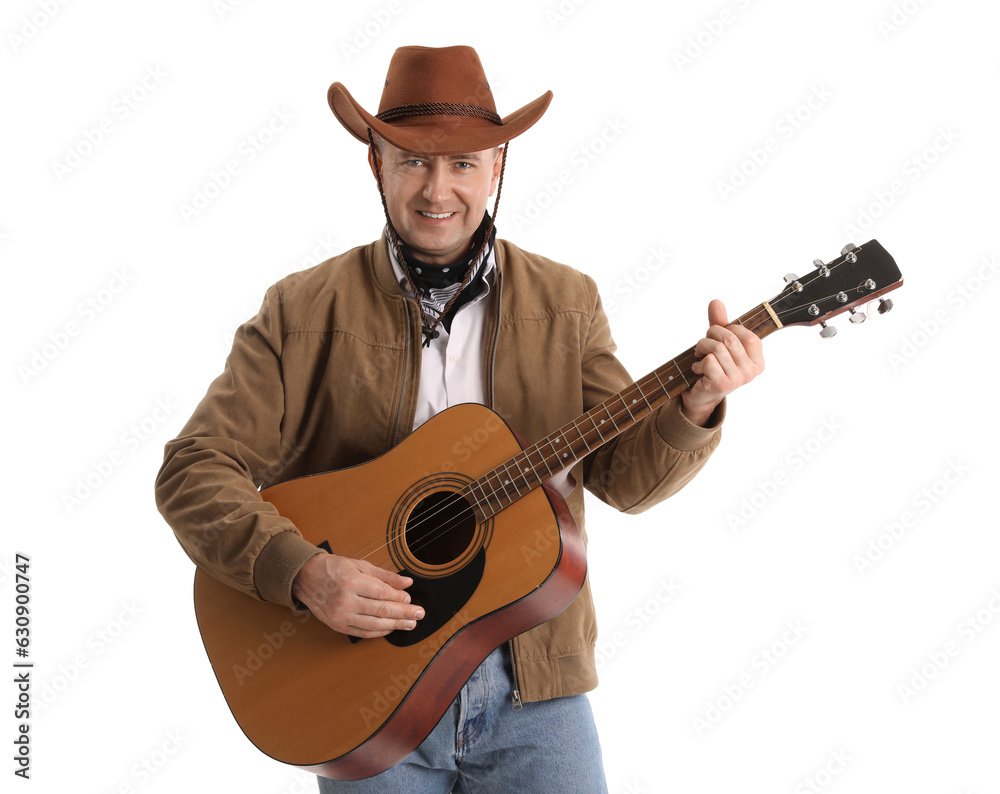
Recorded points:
(389, 612)
(387, 620)
(396, 581)
(714, 345)
(376, 630)
(374, 589)
(732, 342)
(717, 313)
(710, 369)
(751, 344)
(367, 629)
(705, 346)
(376, 599)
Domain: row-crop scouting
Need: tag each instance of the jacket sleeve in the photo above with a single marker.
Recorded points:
(655, 457)
(207, 487)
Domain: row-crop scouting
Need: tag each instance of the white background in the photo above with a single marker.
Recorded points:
(665, 104)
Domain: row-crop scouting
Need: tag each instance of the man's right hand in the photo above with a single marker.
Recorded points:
(355, 597)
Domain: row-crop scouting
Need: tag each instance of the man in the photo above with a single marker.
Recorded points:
(345, 359)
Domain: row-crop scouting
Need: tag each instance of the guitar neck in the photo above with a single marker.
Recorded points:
(505, 484)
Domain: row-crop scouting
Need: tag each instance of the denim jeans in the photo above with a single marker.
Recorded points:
(482, 744)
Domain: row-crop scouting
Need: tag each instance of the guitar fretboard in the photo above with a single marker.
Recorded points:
(504, 485)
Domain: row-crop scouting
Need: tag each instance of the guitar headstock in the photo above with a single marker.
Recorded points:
(859, 275)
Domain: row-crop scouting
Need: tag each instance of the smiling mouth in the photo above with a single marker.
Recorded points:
(436, 214)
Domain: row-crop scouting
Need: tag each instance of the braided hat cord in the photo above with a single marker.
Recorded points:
(438, 109)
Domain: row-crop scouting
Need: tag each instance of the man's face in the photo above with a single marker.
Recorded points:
(436, 203)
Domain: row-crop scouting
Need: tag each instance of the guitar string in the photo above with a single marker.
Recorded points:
(467, 492)
(688, 357)
(755, 316)
(466, 495)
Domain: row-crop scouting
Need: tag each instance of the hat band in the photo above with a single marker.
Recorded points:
(438, 109)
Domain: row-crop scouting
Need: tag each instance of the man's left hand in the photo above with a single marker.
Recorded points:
(729, 356)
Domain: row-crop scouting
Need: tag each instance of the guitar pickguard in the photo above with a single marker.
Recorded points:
(442, 598)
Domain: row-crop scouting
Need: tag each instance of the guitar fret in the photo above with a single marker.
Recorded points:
(607, 410)
(664, 388)
(511, 481)
(644, 398)
(495, 494)
(504, 486)
(472, 495)
(582, 438)
(681, 373)
(521, 469)
(622, 398)
(600, 435)
(559, 458)
(524, 470)
(544, 462)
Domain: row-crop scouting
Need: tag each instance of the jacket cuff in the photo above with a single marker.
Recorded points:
(277, 564)
(681, 433)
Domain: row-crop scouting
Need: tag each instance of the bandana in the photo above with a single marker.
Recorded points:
(437, 285)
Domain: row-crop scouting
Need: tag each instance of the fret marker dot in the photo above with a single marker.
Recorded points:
(525, 468)
(671, 377)
(565, 454)
(634, 402)
(602, 421)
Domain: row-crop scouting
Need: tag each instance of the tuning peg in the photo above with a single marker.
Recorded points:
(822, 268)
(858, 317)
(828, 331)
(793, 281)
(848, 248)
(884, 305)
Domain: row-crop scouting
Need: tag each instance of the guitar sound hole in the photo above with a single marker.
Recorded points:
(440, 528)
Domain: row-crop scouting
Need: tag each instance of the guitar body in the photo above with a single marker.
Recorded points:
(346, 708)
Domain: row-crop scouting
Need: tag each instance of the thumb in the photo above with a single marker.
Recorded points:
(717, 313)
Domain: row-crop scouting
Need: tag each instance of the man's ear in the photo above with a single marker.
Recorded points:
(497, 167)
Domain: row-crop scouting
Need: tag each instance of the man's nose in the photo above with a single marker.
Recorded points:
(437, 188)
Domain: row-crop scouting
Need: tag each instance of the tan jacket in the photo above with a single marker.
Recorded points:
(325, 376)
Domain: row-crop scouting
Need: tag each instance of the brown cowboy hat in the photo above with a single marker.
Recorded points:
(435, 101)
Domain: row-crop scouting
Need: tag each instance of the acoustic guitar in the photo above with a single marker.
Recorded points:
(492, 552)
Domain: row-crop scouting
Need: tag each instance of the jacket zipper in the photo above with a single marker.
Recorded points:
(516, 694)
(406, 371)
(496, 341)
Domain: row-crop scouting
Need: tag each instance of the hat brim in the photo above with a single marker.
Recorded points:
(436, 134)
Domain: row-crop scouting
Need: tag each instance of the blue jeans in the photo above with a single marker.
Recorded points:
(482, 744)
